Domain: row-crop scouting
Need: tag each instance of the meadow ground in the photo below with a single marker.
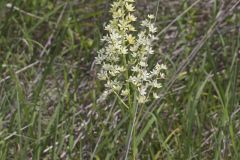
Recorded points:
(49, 89)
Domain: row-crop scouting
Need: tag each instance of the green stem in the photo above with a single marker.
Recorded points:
(134, 116)
(126, 78)
(125, 105)
(132, 129)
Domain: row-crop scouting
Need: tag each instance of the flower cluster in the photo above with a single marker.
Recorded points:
(124, 58)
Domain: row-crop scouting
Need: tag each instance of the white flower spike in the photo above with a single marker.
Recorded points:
(124, 58)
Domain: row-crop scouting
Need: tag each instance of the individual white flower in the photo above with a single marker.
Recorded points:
(125, 92)
(108, 28)
(150, 16)
(153, 38)
(124, 50)
(115, 5)
(109, 84)
(116, 87)
(135, 69)
(131, 17)
(143, 64)
(145, 23)
(113, 73)
(120, 68)
(157, 66)
(152, 29)
(134, 48)
(162, 75)
(134, 80)
(150, 50)
(105, 39)
(115, 59)
(142, 90)
(142, 99)
(123, 25)
(155, 96)
(129, 7)
(100, 58)
(130, 39)
(163, 66)
(118, 14)
(102, 75)
(154, 72)
(145, 75)
(131, 28)
(107, 67)
(155, 84)
(134, 54)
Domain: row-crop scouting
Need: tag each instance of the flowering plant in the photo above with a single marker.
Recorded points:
(124, 65)
(124, 57)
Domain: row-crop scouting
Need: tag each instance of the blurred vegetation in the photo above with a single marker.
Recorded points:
(48, 85)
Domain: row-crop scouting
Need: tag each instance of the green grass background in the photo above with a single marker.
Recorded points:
(49, 90)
